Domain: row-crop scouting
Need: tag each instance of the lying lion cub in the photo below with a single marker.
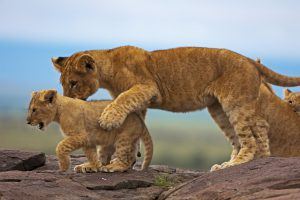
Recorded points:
(79, 124)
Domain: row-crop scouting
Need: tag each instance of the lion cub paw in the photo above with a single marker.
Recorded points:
(87, 168)
(225, 165)
(64, 163)
(111, 118)
(115, 167)
(222, 166)
(215, 167)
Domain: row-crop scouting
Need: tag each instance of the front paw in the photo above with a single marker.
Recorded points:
(64, 165)
(111, 118)
(215, 167)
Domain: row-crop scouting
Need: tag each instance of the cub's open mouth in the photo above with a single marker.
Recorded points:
(41, 125)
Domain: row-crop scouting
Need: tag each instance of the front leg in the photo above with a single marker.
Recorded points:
(66, 146)
(136, 98)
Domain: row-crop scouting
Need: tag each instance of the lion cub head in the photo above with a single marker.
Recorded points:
(293, 98)
(42, 108)
(79, 76)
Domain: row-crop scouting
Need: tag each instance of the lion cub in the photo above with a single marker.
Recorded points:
(79, 124)
(293, 98)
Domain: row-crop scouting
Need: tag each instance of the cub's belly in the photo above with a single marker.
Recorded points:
(184, 102)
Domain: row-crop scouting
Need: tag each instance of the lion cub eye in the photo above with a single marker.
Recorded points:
(290, 102)
(33, 110)
(73, 84)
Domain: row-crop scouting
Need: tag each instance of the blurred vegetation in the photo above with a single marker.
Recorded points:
(179, 142)
(164, 181)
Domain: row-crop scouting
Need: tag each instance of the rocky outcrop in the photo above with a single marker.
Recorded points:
(46, 182)
(20, 160)
(270, 178)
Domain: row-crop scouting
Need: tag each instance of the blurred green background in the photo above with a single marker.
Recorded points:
(33, 31)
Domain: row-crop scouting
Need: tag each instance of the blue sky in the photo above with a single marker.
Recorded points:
(256, 26)
(33, 31)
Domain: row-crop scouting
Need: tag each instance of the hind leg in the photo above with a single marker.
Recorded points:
(142, 115)
(240, 119)
(106, 153)
(262, 139)
(222, 121)
(124, 156)
(252, 136)
(249, 128)
(260, 130)
(238, 96)
(93, 164)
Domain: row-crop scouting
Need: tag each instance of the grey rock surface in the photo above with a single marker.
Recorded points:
(269, 178)
(46, 182)
(20, 160)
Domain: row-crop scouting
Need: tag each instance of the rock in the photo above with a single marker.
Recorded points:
(20, 160)
(269, 178)
(47, 182)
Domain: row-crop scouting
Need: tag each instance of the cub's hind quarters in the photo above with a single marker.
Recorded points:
(78, 122)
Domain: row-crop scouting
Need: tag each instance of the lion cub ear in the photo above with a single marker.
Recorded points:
(287, 92)
(59, 63)
(33, 93)
(50, 96)
(86, 64)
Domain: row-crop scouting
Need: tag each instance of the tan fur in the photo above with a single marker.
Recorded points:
(284, 132)
(293, 99)
(78, 122)
(272, 108)
(178, 80)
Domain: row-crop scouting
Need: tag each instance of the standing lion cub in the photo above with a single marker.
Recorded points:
(78, 122)
(179, 80)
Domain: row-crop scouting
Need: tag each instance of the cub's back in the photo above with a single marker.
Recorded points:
(93, 110)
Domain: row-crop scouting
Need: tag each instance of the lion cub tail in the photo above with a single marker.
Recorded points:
(148, 145)
(275, 78)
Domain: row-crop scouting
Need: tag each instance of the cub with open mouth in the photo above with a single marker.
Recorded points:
(79, 125)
